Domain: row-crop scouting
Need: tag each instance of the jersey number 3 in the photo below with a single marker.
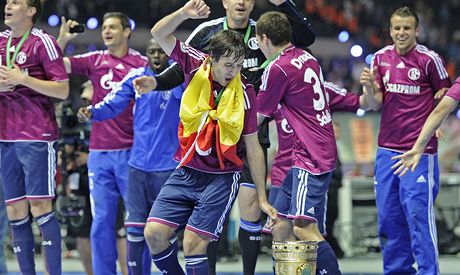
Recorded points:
(323, 116)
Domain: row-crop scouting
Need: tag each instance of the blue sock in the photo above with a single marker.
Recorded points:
(146, 260)
(196, 265)
(167, 261)
(23, 244)
(139, 262)
(326, 262)
(51, 236)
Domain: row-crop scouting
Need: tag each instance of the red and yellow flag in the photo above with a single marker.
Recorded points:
(200, 120)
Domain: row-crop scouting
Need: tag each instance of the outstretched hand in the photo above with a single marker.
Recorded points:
(440, 94)
(196, 9)
(408, 160)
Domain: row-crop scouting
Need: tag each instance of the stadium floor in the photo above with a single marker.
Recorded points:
(363, 265)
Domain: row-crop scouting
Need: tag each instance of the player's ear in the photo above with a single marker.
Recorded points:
(31, 11)
(225, 4)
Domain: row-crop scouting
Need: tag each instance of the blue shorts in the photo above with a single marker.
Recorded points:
(303, 196)
(197, 199)
(143, 189)
(28, 170)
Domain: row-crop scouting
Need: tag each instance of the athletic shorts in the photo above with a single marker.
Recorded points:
(198, 200)
(28, 170)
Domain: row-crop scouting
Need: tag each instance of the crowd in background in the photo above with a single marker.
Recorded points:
(362, 19)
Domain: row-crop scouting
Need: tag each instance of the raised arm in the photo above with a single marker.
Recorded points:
(64, 37)
(302, 33)
(64, 32)
(163, 30)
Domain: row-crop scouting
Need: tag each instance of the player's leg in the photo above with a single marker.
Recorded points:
(282, 231)
(171, 210)
(39, 164)
(17, 207)
(121, 242)
(215, 195)
(308, 208)
(249, 233)
(104, 196)
(143, 188)
(137, 209)
(418, 191)
(392, 225)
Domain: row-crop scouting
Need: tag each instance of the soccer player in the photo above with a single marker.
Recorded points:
(201, 192)
(31, 74)
(156, 118)
(110, 140)
(294, 80)
(237, 19)
(404, 81)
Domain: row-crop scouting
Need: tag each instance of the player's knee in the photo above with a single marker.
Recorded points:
(18, 210)
(40, 207)
(155, 234)
(194, 244)
(281, 229)
(307, 231)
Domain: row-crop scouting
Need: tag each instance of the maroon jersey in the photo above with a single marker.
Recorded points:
(340, 100)
(105, 71)
(295, 81)
(408, 83)
(26, 115)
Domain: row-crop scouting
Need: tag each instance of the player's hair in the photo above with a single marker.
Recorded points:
(275, 26)
(123, 18)
(406, 12)
(37, 4)
(226, 43)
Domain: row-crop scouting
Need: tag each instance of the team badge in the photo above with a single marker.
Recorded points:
(285, 126)
(183, 48)
(414, 74)
(21, 58)
(252, 44)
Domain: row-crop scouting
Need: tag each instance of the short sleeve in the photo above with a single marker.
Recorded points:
(51, 58)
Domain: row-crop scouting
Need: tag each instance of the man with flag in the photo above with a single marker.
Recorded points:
(217, 109)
